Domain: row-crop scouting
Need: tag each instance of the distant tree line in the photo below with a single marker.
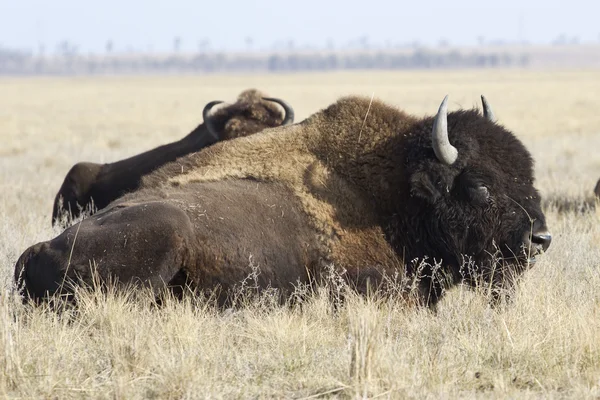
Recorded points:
(69, 62)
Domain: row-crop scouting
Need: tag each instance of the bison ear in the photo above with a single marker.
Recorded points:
(421, 185)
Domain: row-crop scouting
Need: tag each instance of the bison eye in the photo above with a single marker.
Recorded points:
(483, 191)
(479, 195)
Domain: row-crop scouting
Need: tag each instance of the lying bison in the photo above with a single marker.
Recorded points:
(90, 185)
(360, 186)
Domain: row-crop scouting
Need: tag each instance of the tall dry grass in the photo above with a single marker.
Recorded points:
(545, 344)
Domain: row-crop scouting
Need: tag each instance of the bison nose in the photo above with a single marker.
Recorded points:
(542, 238)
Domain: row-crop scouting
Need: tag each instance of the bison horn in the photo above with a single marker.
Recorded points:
(289, 111)
(487, 110)
(208, 121)
(444, 151)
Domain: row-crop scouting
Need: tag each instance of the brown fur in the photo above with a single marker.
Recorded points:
(337, 137)
(185, 235)
(597, 189)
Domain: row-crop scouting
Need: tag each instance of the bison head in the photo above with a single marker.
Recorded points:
(251, 113)
(472, 207)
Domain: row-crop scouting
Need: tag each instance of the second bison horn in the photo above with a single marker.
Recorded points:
(442, 148)
(289, 111)
(207, 119)
(487, 110)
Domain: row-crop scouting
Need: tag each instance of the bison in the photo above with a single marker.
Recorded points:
(360, 187)
(93, 186)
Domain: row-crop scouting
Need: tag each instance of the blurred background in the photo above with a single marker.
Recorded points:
(70, 37)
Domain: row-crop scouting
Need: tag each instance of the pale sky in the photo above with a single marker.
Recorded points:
(152, 24)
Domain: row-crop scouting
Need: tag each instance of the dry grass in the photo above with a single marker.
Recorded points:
(546, 344)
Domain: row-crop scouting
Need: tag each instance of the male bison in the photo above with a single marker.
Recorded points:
(90, 185)
(360, 186)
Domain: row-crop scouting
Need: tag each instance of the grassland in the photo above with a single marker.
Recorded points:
(544, 345)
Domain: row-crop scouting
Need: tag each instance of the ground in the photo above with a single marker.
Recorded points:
(545, 344)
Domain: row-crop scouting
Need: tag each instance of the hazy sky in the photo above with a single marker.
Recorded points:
(152, 24)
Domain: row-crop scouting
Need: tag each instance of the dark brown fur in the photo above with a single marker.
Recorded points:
(93, 186)
(366, 195)
(190, 230)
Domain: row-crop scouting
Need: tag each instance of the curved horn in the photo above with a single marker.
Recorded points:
(487, 110)
(207, 120)
(444, 151)
(289, 111)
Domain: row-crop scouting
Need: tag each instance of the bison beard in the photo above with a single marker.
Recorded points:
(373, 197)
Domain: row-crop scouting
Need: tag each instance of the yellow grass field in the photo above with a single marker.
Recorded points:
(546, 344)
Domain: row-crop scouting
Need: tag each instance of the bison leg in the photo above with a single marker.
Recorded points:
(139, 243)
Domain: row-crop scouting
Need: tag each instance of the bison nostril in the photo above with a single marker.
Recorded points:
(543, 238)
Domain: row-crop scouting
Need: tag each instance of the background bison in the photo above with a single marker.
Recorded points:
(360, 185)
(93, 186)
